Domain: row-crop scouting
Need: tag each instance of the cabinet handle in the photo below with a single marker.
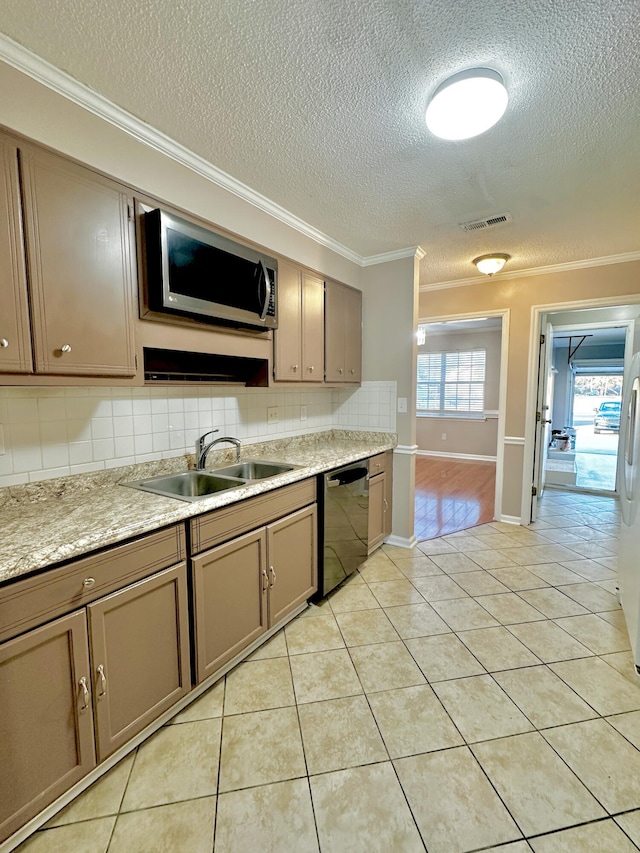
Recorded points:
(273, 577)
(4, 343)
(265, 580)
(87, 582)
(85, 694)
(386, 505)
(103, 682)
(65, 348)
(310, 369)
(340, 371)
(352, 370)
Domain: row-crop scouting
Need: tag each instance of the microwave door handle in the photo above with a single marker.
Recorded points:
(267, 290)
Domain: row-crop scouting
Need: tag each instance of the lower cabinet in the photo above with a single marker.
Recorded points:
(245, 586)
(380, 489)
(74, 690)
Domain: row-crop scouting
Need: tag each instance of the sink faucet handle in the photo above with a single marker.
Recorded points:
(200, 442)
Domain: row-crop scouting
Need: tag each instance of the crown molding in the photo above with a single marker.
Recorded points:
(397, 255)
(527, 273)
(63, 84)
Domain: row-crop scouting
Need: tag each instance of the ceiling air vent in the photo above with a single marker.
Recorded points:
(489, 222)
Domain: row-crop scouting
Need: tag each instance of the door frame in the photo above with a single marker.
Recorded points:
(538, 318)
(505, 315)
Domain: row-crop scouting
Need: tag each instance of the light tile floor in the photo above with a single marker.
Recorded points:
(477, 693)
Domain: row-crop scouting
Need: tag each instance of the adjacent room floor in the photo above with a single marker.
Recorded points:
(477, 693)
(452, 495)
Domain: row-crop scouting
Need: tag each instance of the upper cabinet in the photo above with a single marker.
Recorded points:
(343, 333)
(15, 342)
(299, 339)
(78, 246)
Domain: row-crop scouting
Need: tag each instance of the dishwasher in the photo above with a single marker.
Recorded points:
(344, 524)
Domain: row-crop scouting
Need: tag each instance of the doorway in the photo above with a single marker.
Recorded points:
(596, 402)
(461, 385)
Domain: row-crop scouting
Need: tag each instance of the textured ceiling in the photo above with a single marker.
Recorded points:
(319, 105)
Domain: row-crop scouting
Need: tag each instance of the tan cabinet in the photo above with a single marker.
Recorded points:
(380, 488)
(343, 333)
(78, 247)
(75, 689)
(299, 338)
(247, 585)
(15, 339)
(46, 722)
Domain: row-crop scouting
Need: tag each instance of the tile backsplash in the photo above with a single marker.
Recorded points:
(52, 432)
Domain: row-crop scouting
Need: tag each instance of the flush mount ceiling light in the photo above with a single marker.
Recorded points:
(467, 104)
(491, 264)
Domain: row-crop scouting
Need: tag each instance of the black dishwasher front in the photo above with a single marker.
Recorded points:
(344, 527)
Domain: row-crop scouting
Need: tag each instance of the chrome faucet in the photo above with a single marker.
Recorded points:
(203, 449)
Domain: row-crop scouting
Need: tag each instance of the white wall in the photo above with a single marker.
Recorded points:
(54, 432)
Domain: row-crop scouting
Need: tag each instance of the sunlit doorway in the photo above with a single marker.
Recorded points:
(596, 420)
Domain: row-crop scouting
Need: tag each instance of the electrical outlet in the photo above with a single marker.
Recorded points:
(272, 415)
(444, 436)
(303, 413)
(2, 450)
(402, 405)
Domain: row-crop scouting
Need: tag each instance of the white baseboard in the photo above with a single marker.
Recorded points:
(442, 455)
(510, 519)
(401, 541)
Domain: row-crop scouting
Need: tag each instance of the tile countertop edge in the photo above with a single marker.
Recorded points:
(36, 534)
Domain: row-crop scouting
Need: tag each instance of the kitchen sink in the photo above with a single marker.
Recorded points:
(254, 470)
(192, 485)
(189, 485)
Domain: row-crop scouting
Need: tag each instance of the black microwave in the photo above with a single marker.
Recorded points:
(193, 272)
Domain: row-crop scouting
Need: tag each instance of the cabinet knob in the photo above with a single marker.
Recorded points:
(65, 348)
(352, 370)
(340, 371)
(294, 367)
(85, 693)
(87, 582)
(310, 368)
(4, 343)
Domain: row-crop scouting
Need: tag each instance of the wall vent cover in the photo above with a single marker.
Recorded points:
(489, 222)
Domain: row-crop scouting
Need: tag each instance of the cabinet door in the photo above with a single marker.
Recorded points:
(78, 248)
(292, 549)
(312, 328)
(334, 310)
(15, 339)
(288, 335)
(229, 591)
(353, 335)
(376, 510)
(139, 654)
(46, 726)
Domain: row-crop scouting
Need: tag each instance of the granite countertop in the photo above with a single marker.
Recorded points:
(46, 523)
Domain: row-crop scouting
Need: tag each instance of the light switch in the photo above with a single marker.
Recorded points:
(303, 413)
(402, 404)
(272, 415)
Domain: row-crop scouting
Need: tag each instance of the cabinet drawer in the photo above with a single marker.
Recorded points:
(377, 464)
(35, 600)
(217, 527)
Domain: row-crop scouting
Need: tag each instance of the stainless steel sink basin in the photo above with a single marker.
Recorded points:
(189, 485)
(254, 469)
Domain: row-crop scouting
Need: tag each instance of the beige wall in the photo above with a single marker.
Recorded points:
(468, 437)
(518, 296)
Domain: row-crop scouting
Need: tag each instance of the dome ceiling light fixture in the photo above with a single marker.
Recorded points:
(491, 264)
(467, 103)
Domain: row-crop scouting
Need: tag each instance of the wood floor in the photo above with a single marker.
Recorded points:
(452, 495)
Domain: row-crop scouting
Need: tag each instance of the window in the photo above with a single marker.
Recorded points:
(451, 381)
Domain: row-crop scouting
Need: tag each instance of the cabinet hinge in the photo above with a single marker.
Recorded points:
(534, 491)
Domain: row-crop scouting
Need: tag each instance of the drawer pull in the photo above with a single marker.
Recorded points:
(65, 348)
(274, 577)
(88, 582)
(103, 682)
(4, 343)
(85, 694)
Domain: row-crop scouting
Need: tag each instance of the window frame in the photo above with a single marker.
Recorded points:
(442, 382)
